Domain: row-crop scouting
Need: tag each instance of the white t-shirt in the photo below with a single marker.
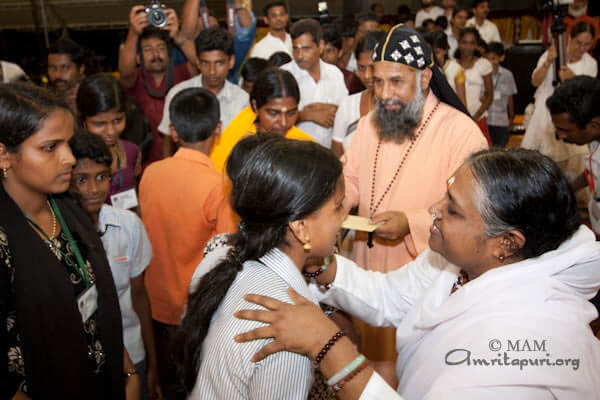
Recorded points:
(474, 84)
(488, 30)
(451, 69)
(232, 100)
(330, 89)
(270, 44)
(128, 251)
(346, 119)
(422, 15)
(452, 42)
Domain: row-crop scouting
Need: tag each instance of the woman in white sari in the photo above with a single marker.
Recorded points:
(496, 309)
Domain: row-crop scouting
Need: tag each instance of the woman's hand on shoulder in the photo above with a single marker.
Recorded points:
(300, 327)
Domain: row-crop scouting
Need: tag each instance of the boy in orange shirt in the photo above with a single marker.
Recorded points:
(184, 203)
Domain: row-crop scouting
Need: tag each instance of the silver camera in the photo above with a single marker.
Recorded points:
(156, 13)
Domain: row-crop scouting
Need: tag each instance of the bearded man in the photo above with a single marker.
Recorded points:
(399, 160)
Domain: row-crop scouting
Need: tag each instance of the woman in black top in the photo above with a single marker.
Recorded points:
(57, 298)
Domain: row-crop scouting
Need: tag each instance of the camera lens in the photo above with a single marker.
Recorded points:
(157, 18)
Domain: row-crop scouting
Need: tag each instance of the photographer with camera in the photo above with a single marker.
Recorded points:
(147, 67)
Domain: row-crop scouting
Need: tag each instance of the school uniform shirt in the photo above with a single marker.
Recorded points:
(504, 87)
(128, 252)
(226, 371)
(270, 45)
(232, 100)
(488, 30)
(444, 340)
(330, 89)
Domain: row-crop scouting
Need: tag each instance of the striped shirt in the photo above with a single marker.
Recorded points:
(226, 371)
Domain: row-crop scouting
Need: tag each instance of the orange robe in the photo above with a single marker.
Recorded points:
(449, 138)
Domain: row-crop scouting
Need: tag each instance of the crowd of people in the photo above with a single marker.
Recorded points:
(174, 229)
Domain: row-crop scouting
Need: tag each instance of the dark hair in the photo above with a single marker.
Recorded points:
(461, 9)
(281, 181)
(427, 22)
(482, 44)
(87, 145)
(100, 93)
(309, 26)
(404, 13)
(279, 58)
(331, 35)
(24, 108)
(582, 27)
(347, 28)
(194, 114)
(372, 8)
(368, 42)
(274, 4)
(252, 67)
(437, 40)
(496, 48)
(361, 19)
(526, 191)
(214, 39)
(70, 47)
(478, 2)
(274, 83)
(462, 34)
(579, 97)
(152, 32)
(442, 22)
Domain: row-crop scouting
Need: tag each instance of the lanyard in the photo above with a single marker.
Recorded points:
(80, 265)
(119, 171)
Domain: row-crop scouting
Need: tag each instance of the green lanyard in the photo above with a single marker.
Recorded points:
(81, 267)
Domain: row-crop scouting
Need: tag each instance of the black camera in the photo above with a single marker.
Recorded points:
(156, 13)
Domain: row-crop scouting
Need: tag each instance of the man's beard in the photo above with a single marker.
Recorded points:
(397, 125)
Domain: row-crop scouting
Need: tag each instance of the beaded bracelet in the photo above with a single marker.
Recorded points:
(338, 386)
(327, 347)
(312, 275)
(346, 370)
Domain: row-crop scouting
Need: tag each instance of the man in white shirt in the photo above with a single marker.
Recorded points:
(487, 29)
(277, 39)
(448, 6)
(429, 11)
(322, 86)
(215, 58)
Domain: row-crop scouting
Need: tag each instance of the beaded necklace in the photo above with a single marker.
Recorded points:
(410, 147)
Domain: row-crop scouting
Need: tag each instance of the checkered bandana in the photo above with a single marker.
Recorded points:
(406, 46)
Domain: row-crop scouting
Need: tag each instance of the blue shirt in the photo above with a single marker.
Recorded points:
(128, 252)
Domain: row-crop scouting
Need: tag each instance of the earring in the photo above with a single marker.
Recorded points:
(307, 245)
(5, 172)
(501, 257)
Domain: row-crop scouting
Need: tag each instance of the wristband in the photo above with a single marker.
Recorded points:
(328, 346)
(346, 370)
(338, 386)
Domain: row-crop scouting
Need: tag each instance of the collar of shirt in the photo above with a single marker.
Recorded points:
(224, 96)
(304, 74)
(283, 266)
(193, 155)
(108, 217)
